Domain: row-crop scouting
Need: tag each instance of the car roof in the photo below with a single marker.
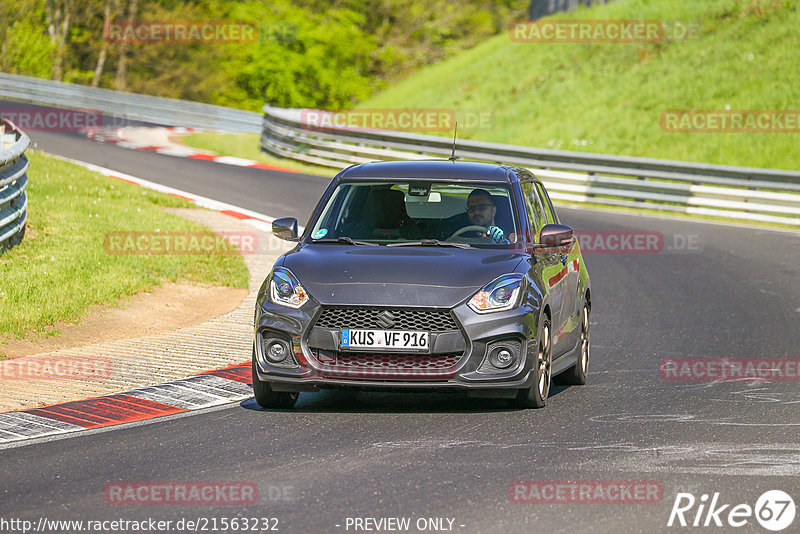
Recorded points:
(467, 171)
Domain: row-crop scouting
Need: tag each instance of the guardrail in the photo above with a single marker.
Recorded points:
(542, 8)
(13, 180)
(745, 193)
(749, 194)
(145, 108)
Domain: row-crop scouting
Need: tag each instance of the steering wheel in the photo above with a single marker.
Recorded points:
(470, 228)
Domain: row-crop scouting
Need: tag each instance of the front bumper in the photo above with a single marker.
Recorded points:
(314, 364)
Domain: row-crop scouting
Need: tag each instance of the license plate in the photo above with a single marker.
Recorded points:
(385, 339)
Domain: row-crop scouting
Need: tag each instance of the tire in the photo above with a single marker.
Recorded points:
(266, 398)
(576, 375)
(536, 395)
(16, 239)
(13, 241)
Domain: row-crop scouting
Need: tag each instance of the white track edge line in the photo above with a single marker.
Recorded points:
(201, 201)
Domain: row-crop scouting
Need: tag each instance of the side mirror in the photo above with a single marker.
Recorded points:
(555, 238)
(285, 228)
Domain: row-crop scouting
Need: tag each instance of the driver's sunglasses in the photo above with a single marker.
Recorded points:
(478, 207)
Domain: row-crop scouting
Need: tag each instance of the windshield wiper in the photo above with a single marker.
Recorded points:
(429, 243)
(346, 240)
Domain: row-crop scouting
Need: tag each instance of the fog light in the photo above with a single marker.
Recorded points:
(502, 357)
(276, 351)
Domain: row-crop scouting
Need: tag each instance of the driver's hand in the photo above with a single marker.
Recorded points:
(496, 233)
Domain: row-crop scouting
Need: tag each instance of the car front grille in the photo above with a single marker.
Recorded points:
(396, 361)
(370, 365)
(386, 319)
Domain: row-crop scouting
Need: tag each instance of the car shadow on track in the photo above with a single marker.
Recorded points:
(352, 401)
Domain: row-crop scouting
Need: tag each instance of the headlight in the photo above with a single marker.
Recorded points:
(500, 294)
(285, 289)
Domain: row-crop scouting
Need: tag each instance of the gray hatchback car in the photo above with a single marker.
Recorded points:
(420, 275)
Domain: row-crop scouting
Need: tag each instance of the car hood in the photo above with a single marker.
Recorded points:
(336, 274)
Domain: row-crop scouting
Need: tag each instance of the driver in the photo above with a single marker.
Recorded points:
(481, 209)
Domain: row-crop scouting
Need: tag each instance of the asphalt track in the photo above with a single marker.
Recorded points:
(342, 455)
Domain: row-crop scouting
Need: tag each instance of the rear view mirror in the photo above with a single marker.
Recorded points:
(555, 238)
(556, 235)
(285, 228)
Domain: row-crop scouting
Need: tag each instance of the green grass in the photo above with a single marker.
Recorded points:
(247, 145)
(608, 98)
(61, 268)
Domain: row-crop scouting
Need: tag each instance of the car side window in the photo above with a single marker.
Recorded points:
(534, 208)
(549, 212)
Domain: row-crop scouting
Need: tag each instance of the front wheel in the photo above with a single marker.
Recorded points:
(266, 397)
(536, 395)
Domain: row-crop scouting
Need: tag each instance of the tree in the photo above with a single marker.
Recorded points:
(58, 20)
(110, 10)
(121, 80)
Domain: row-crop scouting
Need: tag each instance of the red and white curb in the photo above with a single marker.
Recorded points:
(258, 220)
(212, 388)
(205, 390)
(116, 136)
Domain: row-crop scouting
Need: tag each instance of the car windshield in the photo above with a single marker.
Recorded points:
(424, 213)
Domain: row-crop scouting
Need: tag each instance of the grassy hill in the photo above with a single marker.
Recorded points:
(608, 97)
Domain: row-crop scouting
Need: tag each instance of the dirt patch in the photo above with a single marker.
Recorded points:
(165, 308)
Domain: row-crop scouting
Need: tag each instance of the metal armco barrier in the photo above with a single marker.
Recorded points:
(13, 180)
(542, 8)
(154, 109)
(744, 193)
